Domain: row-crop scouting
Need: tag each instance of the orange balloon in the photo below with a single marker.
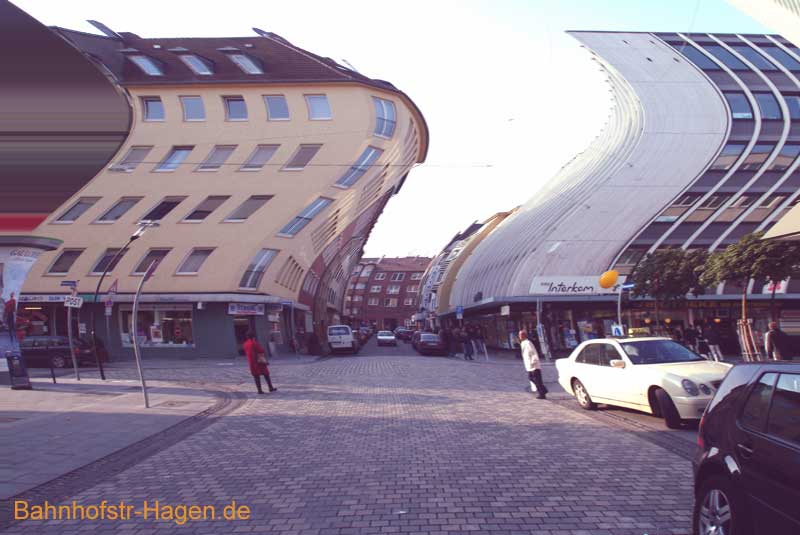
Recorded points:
(609, 278)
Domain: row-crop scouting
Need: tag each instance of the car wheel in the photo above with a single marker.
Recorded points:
(719, 509)
(668, 410)
(59, 361)
(582, 395)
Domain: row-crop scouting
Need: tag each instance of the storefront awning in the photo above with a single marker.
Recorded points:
(787, 228)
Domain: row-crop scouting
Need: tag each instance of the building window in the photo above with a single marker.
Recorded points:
(715, 201)
(740, 107)
(768, 106)
(216, 158)
(195, 260)
(277, 108)
(398, 277)
(360, 286)
(160, 210)
(390, 302)
(744, 201)
(302, 157)
(698, 58)
(255, 271)
(235, 109)
(77, 209)
(408, 301)
(381, 275)
(119, 209)
(147, 65)
(318, 108)
(785, 157)
(385, 117)
(412, 289)
(751, 55)
(373, 301)
(757, 157)
(193, 109)
(393, 289)
(772, 200)
(782, 57)
(105, 261)
(64, 262)
(730, 153)
(158, 325)
(365, 161)
(204, 209)
(173, 160)
(259, 158)
(630, 257)
(196, 64)
(153, 255)
(358, 298)
(793, 103)
(304, 218)
(132, 159)
(687, 200)
(375, 289)
(731, 61)
(247, 208)
(246, 63)
(153, 109)
(416, 276)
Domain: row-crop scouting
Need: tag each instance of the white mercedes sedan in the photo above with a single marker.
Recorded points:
(653, 375)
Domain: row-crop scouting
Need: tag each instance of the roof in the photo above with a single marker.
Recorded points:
(409, 263)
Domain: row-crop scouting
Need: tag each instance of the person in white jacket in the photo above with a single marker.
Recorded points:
(531, 360)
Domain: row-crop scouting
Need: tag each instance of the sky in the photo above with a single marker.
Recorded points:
(508, 96)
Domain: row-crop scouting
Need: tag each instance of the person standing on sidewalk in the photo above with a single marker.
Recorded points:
(10, 312)
(257, 360)
(466, 341)
(532, 365)
(776, 343)
(712, 337)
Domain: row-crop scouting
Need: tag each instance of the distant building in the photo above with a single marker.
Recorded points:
(264, 165)
(384, 292)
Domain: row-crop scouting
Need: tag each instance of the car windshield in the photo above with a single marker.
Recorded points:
(385, 333)
(429, 338)
(338, 330)
(658, 352)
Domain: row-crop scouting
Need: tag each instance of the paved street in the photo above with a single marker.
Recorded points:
(388, 442)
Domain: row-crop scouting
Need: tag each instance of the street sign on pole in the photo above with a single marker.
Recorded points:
(73, 302)
(459, 312)
(69, 284)
(113, 289)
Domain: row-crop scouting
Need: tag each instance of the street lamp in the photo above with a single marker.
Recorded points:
(143, 226)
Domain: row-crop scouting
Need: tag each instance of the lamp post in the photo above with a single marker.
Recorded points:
(143, 226)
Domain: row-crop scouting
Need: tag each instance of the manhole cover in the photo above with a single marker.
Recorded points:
(8, 419)
(173, 404)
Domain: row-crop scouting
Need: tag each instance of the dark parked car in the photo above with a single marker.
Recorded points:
(428, 344)
(42, 351)
(747, 469)
(404, 334)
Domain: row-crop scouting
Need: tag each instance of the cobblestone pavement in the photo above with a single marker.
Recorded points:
(394, 443)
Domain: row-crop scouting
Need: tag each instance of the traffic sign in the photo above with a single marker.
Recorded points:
(114, 288)
(73, 302)
(459, 312)
(69, 284)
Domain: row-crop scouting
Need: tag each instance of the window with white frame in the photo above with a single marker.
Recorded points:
(358, 298)
(149, 66)
(248, 208)
(152, 109)
(235, 108)
(381, 275)
(375, 289)
(192, 264)
(259, 158)
(164, 207)
(367, 271)
(361, 286)
(246, 63)
(393, 289)
(302, 157)
(687, 200)
(385, 117)
(412, 289)
(153, 255)
(104, 262)
(255, 271)
(173, 159)
(204, 209)
(373, 301)
(362, 165)
(193, 108)
(197, 64)
(119, 209)
(304, 218)
(408, 301)
(277, 108)
(319, 109)
(64, 262)
(398, 277)
(132, 159)
(77, 209)
(390, 302)
(216, 158)
(416, 276)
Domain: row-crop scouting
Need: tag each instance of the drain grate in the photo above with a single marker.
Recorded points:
(173, 404)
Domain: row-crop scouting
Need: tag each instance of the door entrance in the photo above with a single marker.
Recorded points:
(240, 327)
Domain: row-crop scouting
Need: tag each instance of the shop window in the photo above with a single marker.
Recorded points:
(158, 326)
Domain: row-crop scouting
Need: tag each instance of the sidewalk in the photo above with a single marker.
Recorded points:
(57, 428)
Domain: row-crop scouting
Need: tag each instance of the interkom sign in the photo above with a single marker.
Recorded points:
(571, 285)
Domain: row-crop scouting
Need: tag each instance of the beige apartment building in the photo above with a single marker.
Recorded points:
(264, 167)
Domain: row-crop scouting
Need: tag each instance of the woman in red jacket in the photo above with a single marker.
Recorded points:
(256, 358)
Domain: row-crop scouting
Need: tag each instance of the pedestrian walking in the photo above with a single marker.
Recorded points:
(712, 337)
(777, 343)
(690, 337)
(445, 337)
(532, 365)
(257, 360)
(10, 315)
(466, 341)
(702, 343)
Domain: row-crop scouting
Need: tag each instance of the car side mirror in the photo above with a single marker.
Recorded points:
(617, 363)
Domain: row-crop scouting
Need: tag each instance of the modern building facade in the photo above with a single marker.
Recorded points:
(700, 149)
(384, 292)
(265, 167)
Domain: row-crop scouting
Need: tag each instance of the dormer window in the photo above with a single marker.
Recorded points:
(247, 64)
(148, 65)
(196, 64)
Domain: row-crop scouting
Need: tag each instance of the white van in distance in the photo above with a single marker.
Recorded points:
(341, 338)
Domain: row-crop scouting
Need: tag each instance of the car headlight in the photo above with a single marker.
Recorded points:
(690, 387)
(704, 389)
